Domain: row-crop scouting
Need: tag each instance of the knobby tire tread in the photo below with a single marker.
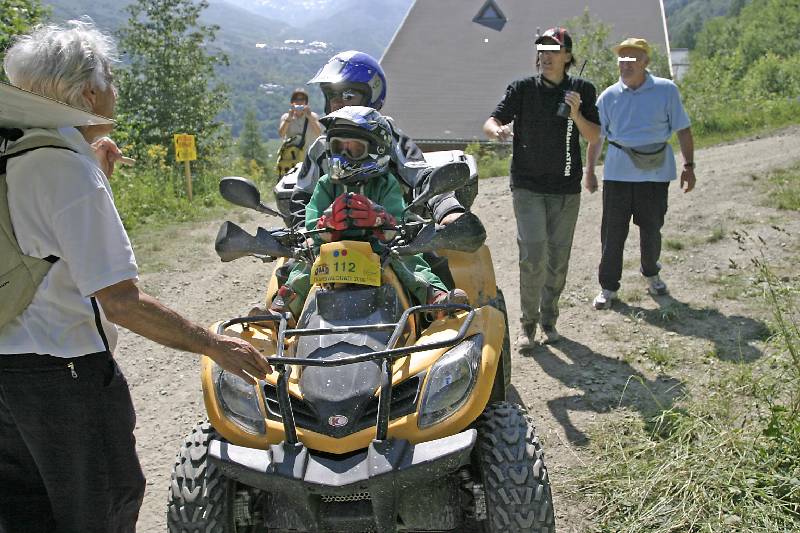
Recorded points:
(511, 462)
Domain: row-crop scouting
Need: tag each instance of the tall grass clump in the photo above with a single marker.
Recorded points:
(784, 188)
(153, 192)
(729, 461)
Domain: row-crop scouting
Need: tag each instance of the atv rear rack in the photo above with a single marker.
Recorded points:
(387, 356)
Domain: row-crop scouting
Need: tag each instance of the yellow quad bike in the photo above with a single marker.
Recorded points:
(379, 415)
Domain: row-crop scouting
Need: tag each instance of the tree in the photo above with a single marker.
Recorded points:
(170, 85)
(250, 144)
(17, 17)
(592, 44)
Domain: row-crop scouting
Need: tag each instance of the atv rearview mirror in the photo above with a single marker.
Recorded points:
(243, 192)
(465, 234)
(233, 242)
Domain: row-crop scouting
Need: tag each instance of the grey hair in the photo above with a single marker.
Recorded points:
(61, 62)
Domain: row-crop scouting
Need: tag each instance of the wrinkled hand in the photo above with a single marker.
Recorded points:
(107, 154)
(688, 179)
(590, 181)
(239, 357)
(573, 99)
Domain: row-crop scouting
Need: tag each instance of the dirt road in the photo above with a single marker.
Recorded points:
(641, 355)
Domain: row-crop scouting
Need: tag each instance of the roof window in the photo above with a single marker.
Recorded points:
(491, 16)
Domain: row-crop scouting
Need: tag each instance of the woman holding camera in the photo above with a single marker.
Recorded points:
(550, 111)
(297, 126)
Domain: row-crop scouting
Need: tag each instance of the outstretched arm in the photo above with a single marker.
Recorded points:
(126, 305)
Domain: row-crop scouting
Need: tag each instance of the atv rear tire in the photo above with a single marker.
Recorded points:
(199, 497)
(511, 465)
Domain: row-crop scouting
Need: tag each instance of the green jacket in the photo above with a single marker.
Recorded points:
(384, 190)
(412, 271)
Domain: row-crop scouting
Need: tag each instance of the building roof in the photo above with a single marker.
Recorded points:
(450, 61)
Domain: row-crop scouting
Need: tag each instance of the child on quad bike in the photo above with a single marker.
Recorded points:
(354, 78)
(360, 199)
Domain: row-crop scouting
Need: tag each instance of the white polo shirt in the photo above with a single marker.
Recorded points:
(60, 204)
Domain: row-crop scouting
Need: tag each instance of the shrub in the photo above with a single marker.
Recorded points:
(493, 159)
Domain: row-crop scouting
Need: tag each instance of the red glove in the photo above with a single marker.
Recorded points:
(335, 219)
(367, 214)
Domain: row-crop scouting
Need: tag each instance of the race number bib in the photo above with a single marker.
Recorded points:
(347, 262)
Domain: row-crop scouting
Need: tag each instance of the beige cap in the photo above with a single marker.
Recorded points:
(633, 42)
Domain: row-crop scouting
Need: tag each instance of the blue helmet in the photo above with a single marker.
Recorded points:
(355, 69)
(369, 131)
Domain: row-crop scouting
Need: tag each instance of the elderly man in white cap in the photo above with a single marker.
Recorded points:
(638, 115)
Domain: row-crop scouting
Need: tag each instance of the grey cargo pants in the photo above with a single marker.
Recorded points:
(545, 228)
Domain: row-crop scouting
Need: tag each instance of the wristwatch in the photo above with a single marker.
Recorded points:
(689, 164)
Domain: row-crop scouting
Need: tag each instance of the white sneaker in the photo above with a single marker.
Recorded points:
(604, 299)
(655, 286)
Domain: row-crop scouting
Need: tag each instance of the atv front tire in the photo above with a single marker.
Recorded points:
(506, 353)
(510, 462)
(199, 497)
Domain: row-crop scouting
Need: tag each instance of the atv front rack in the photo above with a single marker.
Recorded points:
(388, 356)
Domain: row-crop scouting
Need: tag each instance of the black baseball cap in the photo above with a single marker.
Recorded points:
(559, 35)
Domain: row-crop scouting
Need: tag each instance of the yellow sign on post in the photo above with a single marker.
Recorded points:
(185, 151)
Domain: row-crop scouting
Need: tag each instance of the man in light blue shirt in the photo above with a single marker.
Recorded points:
(638, 115)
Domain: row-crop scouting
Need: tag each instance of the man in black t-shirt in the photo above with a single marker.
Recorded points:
(546, 172)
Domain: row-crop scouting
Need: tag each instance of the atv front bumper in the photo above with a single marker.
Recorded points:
(391, 478)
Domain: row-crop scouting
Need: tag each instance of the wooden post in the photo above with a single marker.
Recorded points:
(188, 170)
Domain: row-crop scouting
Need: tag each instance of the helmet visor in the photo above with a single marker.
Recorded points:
(331, 72)
(352, 149)
(348, 95)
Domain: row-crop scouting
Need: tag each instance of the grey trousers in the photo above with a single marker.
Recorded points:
(545, 228)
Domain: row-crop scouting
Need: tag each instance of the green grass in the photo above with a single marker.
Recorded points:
(493, 159)
(673, 244)
(784, 188)
(732, 122)
(727, 460)
(660, 354)
(731, 286)
(153, 194)
(631, 294)
(717, 234)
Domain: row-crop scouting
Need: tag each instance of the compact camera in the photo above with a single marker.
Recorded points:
(298, 107)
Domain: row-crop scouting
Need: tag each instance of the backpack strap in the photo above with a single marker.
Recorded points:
(20, 274)
(28, 145)
(34, 142)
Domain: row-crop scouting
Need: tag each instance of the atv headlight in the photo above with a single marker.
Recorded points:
(239, 400)
(451, 381)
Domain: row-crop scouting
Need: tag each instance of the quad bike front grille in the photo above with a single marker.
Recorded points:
(404, 402)
(278, 399)
(346, 498)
